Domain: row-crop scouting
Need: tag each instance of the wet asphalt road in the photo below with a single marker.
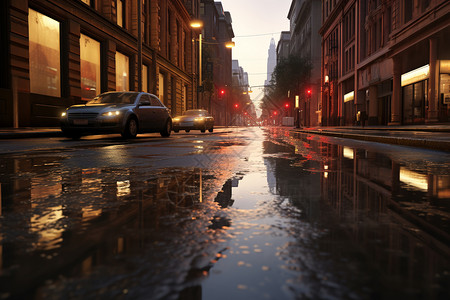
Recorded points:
(244, 213)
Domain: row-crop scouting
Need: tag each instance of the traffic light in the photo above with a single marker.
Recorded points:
(236, 105)
(221, 93)
(308, 92)
(275, 113)
(286, 105)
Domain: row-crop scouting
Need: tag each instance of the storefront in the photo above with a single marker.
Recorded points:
(349, 108)
(444, 91)
(415, 95)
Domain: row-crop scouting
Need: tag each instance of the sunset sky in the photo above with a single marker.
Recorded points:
(255, 22)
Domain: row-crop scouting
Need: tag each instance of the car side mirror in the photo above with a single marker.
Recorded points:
(144, 103)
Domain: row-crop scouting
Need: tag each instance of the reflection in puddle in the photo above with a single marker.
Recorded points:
(99, 213)
(303, 217)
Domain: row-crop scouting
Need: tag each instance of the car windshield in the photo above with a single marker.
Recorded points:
(114, 98)
(195, 113)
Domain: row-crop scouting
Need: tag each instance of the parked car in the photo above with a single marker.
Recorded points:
(194, 119)
(127, 113)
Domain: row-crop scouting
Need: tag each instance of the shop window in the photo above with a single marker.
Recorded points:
(414, 101)
(122, 72)
(445, 89)
(44, 54)
(90, 67)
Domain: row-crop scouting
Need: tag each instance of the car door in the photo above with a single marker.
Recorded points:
(159, 113)
(145, 113)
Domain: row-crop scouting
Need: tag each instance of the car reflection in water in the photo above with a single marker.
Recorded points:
(127, 113)
(194, 119)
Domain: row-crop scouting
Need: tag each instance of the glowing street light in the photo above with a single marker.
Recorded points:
(230, 44)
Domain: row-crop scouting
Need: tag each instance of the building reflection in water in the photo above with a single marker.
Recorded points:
(398, 215)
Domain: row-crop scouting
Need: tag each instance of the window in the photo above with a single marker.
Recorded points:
(120, 13)
(122, 71)
(408, 10)
(154, 101)
(144, 78)
(90, 67)
(145, 99)
(45, 66)
(161, 87)
(183, 102)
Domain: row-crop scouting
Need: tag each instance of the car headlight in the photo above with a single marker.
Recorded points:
(199, 119)
(176, 120)
(111, 113)
(63, 114)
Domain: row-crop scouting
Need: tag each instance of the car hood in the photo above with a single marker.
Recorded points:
(186, 118)
(95, 107)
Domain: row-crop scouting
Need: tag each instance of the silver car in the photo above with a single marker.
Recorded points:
(192, 119)
(127, 113)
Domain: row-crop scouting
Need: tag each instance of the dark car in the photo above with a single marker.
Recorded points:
(194, 119)
(127, 113)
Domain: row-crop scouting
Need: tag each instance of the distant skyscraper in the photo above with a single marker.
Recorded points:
(271, 61)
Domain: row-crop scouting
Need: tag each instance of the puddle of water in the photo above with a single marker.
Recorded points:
(300, 217)
(312, 219)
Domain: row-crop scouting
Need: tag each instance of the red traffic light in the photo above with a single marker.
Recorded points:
(308, 92)
(286, 105)
(275, 112)
(236, 105)
(222, 92)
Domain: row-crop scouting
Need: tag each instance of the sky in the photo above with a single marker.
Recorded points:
(255, 23)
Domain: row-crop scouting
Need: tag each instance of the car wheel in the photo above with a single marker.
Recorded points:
(131, 128)
(202, 130)
(167, 129)
(187, 130)
(211, 129)
(176, 130)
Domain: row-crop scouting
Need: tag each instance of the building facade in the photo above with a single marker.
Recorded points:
(65, 52)
(216, 61)
(283, 46)
(385, 62)
(305, 42)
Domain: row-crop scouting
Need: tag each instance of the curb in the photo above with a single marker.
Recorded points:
(26, 135)
(401, 141)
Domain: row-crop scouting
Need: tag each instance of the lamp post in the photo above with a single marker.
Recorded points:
(198, 24)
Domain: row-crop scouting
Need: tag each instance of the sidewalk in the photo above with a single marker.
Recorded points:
(436, 137)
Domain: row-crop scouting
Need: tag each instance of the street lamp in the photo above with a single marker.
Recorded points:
(230, 44)
(198, 24)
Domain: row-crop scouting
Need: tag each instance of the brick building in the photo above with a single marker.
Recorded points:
(385, 62)
(58, 53)
(217, 60)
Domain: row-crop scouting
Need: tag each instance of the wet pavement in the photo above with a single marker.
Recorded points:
(244, 214)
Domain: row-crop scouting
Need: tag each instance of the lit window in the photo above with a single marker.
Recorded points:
(144, 78)
(122, 71)
(88, 2)
(120, 13)
(45, 70)
(90, 67)
(161, 87)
